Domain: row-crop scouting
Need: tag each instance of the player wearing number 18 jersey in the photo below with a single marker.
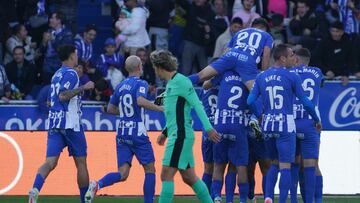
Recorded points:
(312, 79)
(278, 87)
(129, 101)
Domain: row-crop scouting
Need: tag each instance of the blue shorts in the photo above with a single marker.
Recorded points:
(207, 149)
(234, 148)
(281, 146)
(58, 139)
(126, 148)
(257, 150)
(309, 139)
(246, 69)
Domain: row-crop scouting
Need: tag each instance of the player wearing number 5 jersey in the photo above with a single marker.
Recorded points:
(129, 101)
(65, 127)
(278, 87)
(312, 79)
(180, 98)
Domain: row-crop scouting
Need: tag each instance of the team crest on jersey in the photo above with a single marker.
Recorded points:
(142, 90)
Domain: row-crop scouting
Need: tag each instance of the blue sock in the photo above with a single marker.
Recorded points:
(302, 185)
(39, 182)
(251, 189)
(310, 182)
(319, 189)
(243, 192)
(230, 184)
(109, 179)
(294, 182)
(271, 178)
(207, 179)
(216, 187)
(149, 187)
(83, 191)
(264, 185)
(284, 184)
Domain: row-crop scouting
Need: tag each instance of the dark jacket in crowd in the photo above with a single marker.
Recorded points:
(309, 21)
(196, 19)
(159, 12)
(22, 77)
(336, 56)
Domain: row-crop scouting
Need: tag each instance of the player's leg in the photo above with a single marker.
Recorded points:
(319, 184)
(145, 155)
(207, 154)
(295, 168)
(272, 174)
(55, 145)
(77, 148)
(286, 144)
(220, 151)
(251, 179)
(264, 168)
(199, 187)
(230, 182)
(310, 154)
(167, 188)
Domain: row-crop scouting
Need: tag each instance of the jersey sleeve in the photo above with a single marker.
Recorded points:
(69, 81)
(114, 99)
(269, 41)
(252, 98)
(225, 62)
(297, 85)
(216, 80)
(142, 89)
(188, 92)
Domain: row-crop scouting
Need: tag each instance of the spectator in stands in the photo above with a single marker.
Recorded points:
(246, 14)
(102, 91)
(83, 44)
(20, 38)
(5, 90)
(110, 64)
(123, 21)
(84, 78)
(350, 16)
(136, 34)
(224, 38)
(197, 34)
(277, 7)
(148, 71)
(158, 22)
(277, 29)
(219, 25)
(303, 24)
(58, 35)
(70, 9)
(335, 54)
(176, 30)
(21, 73)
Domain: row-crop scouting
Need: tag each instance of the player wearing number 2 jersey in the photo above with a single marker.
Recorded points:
(129, 101)
(309, 137)
(278, 87)
(65, 127)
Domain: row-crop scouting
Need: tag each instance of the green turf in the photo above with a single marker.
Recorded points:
(75, 199)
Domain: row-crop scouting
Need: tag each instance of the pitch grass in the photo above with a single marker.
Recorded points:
(178, 199)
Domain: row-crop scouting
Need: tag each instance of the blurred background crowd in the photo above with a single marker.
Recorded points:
(195, 31)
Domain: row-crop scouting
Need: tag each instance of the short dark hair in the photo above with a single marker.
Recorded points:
(64, 51)
(338, 25)
(280, 50)
(60, 15)
(237, 20)
(19, 47)
(164, 59)
(303, 52)
(262, 22)
(140, 50)
(90, 27)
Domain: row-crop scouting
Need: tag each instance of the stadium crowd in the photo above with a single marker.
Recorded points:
(195, 31)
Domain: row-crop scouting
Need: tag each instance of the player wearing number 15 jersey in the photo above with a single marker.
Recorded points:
(129, 101)
(309, 138)
(278, 87)
(65, 127)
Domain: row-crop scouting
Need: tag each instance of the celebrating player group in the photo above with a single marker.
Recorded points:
(248, 117)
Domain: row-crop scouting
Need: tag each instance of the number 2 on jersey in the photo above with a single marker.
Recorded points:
(238, 92)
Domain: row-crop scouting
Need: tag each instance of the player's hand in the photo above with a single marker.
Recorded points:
(214, 136)
(318, 126)
(159, 100)
(89, 85)
(161, 139)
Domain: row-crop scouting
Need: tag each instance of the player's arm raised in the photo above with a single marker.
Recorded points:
(141, 101)
(266, 58)
(251, 100)
(205, 74)
(66, 95)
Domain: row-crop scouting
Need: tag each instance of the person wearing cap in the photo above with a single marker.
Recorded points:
(110, 63)
(335, 54)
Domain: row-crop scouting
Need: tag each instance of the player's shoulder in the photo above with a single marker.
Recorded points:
(69, 73)
(182, 79)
